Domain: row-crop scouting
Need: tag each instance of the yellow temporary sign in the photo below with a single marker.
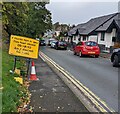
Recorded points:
(18, 79)
(22, 46)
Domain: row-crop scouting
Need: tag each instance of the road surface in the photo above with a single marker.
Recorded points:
(97, 74)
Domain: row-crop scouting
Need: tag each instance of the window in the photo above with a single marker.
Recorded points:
(84, 38)
(102, 36)
(113, 39)
(91, 43)
(79, 39)
(74, 38)
(79, 44)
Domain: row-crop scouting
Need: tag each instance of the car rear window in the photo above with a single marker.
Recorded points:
(42, 40)
(91, 43)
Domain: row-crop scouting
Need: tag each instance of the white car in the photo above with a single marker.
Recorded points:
(53, 43)
(50, 40)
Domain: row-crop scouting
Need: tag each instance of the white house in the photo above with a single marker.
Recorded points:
(102, 30)
(57, 33)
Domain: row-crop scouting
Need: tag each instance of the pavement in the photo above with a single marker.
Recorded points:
(105, 55)
(50, 94)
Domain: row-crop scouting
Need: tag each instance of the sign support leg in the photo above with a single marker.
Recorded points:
(28, 66)
(15, 59)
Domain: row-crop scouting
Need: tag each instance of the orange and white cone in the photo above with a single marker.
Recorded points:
(33, 72)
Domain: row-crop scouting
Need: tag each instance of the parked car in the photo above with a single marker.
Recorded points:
(115, 57)
(53, 43)
(87, 48)
(42, 43)
(61, 45)
(50, 40)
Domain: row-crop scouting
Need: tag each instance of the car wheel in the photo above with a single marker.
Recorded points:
(80, 54)
(66, 48)
(74, 53)
(56, 48)
(115, 61)
(96, 56)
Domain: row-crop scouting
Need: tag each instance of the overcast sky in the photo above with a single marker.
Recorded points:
(76, 12)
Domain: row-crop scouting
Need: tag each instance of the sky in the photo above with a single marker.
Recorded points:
(76, 12)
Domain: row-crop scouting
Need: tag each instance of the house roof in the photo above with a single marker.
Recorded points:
(105, 26)
(98, 23)
(118, 23)
(74, 30)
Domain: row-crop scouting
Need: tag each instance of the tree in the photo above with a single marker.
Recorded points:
(26, 18)
(39, 19)
(14, 18)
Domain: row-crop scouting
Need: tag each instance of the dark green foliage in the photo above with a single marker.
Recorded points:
(39, 19)
(15, 17)
(26, 19)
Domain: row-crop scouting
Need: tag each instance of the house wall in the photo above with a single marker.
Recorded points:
(67, 39)
(57, 33)
(81, 38)
(88, 38)
(93, 38)
(108, 38)
(75, 39)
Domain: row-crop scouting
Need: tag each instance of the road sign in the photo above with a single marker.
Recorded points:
(23, 46)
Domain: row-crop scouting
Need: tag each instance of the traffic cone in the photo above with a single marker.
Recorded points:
(33, 73)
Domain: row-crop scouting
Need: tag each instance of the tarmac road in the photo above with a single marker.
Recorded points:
(97, 74)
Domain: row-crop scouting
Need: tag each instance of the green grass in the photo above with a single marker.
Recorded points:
(12, 91)
(0, 80)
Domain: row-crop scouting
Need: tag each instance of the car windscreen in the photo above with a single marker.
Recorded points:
(54, 41)
(51, 40)
(62, 43)
(90, 43)
(42, 40)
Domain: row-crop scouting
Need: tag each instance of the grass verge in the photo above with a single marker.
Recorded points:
(0, 81)
(13, 93)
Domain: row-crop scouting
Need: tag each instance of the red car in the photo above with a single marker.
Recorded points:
(87, 48)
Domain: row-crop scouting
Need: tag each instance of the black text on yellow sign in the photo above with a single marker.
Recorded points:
(22, 46)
